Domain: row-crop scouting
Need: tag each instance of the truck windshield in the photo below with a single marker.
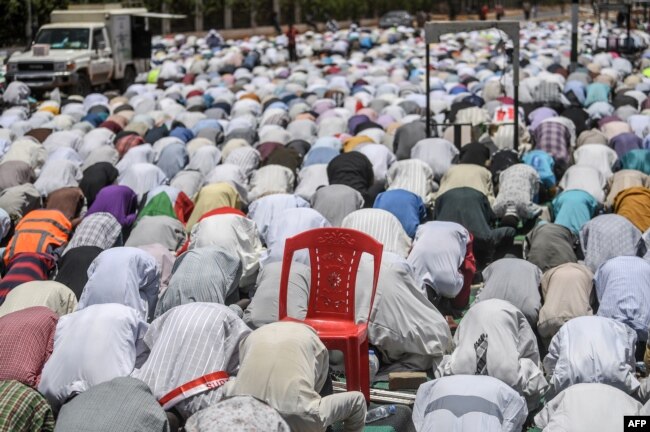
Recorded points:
(64, 38)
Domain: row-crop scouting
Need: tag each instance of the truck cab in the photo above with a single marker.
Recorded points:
(86, 46)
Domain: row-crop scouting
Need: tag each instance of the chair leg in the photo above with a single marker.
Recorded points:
(364, 370)
(352, 370)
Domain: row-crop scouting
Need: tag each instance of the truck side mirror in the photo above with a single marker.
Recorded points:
(101, 46)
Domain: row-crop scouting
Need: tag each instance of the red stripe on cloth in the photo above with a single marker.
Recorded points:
(211, 381)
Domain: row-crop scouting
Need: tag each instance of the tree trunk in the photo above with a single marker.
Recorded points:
(227, 15)
(297, 11)
(166, 24)
(277, 8)
(198, 15)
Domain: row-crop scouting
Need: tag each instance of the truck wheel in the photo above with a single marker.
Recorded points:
(82, 87)
(38, 94)
(129, 78)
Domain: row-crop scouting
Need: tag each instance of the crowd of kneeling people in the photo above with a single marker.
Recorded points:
(144, 235)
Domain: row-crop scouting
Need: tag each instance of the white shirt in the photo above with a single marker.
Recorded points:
(233, 233)
(266, 210)
(271, 179)
(597, 156)
(438, 252)
(570, 359)
(310, 179)
(585, 178)
(511, 354)
(468, 403)
(438, 153)
(289, 223)
(414, 176)
(383, 226)
(587, 408)
(380, 157)
(188, 342)
(91, 346)
(124, 275)
(142, 177)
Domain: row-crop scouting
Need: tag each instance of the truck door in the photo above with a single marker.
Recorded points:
(101, 64)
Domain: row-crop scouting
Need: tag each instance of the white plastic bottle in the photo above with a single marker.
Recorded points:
(380, 412)
(374, 364)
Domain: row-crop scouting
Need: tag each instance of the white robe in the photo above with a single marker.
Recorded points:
(235, 234)
(468, 403)
(592, 349)
(91, 346)
(512, 352)
(587, 408)
(188, 342)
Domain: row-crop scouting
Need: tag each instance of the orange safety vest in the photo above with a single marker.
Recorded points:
(37, 232)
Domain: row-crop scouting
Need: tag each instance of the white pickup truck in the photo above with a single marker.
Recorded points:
(87, 46)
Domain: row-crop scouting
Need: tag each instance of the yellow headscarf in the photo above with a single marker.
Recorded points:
(211, 197)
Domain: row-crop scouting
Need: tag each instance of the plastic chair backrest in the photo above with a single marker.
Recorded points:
(334, 255)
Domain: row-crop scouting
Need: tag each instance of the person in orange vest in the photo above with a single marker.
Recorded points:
(41, 231)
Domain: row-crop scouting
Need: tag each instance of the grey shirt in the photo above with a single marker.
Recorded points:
(516, 281)
(335, 202)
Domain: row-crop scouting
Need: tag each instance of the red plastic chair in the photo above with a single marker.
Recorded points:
(334, 254)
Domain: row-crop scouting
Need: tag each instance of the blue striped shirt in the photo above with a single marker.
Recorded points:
(623, 289)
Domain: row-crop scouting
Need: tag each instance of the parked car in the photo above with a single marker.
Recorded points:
(395, 19)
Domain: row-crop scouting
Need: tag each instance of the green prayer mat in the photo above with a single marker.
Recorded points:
(339, 428)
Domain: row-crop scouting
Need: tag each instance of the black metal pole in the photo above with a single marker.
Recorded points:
(458, 134)
(516, 97)
(575, 5)
(428, 87)
(628, 42)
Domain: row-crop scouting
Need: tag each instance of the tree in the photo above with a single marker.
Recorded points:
(13, 15)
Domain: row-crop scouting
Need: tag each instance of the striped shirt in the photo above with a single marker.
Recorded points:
(414, 176)
(25, 267)
(267, 210)
(246, 158)
(188, 342)
(547, 91)
(623, 289)
(383, 226)
(208, 274)
(23, 409)
(271, 179)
